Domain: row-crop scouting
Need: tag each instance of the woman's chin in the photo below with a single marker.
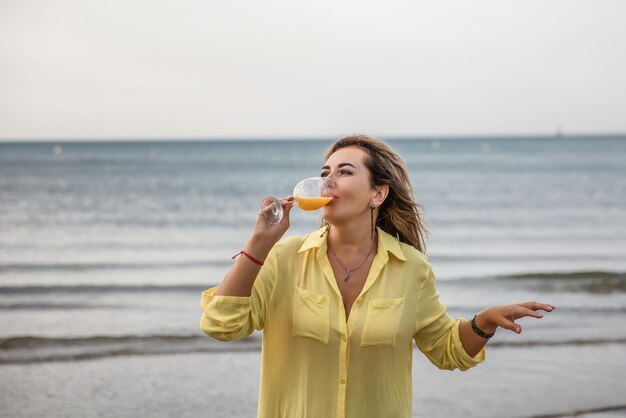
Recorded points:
(328, 215)
(332, 217)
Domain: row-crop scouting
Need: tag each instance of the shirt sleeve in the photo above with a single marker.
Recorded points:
(437, 333)
(228, 318)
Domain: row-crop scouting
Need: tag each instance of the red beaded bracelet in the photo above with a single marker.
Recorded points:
(253, 259)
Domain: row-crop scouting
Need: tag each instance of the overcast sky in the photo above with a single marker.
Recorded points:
(247, 69)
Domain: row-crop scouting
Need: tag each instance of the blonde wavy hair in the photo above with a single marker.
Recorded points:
(399, 215)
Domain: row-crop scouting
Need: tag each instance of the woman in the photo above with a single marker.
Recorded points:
(340, 307)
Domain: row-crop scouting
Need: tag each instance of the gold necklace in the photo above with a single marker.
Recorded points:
(348, 272)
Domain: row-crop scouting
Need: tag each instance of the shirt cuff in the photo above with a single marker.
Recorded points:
(208, 296)
(465, 361)
(226, 318)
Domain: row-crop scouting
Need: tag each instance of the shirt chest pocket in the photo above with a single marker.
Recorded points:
(311, 315)
(382, 321)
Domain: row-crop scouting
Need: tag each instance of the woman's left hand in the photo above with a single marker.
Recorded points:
(505, 316)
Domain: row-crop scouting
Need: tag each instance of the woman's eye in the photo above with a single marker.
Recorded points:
(342, 172)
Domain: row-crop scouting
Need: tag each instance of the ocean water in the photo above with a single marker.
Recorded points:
(105, 248)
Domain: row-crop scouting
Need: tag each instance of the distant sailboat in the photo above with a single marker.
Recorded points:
(559, 132)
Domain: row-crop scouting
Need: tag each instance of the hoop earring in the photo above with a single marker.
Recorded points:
(373, 226)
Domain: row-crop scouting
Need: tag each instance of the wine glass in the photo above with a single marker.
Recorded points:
(307, 195)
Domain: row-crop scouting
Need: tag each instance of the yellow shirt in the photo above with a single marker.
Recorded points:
(314, 364)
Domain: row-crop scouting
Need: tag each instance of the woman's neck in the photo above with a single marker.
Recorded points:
(350, 238)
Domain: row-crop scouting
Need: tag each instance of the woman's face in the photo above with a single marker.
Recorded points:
(348, 182)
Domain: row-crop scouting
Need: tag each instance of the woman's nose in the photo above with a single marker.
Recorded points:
(327, 183)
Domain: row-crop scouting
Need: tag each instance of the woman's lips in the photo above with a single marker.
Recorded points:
(331, 196)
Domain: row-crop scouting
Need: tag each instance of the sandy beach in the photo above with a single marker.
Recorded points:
(513, 382)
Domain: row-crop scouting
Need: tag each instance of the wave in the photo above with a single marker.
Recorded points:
(577, 281)
(59, 267)
(112, 288)
(582, 309)
(583, 280)
(55, 306)
(592, 274)
(32, 349)
(32, 341)
(581, 412)
(547, 343)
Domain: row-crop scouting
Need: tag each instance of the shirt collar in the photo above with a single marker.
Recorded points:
(386, 243)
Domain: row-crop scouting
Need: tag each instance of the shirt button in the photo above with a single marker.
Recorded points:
(344, 338)
(359, 301)
(342, 381)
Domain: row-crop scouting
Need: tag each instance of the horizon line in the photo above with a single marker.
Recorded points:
(421, 137)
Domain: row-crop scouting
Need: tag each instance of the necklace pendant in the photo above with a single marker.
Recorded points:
(346, 275)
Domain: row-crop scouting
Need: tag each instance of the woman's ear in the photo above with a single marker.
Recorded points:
(380, 194)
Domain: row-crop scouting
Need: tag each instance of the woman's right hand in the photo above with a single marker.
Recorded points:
(240, 278)
(271, 233)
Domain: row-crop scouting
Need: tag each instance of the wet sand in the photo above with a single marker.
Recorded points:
(513, 382)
